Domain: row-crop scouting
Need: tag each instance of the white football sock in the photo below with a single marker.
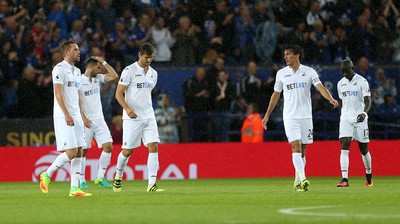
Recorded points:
(83, 169)
(75, 171)
(152, 167)
(104, 161)
(121, 164)
(60, 161)
(344, 163)
(298, 165)
(367, 162)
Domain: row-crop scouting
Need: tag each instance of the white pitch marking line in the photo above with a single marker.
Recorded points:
(303, 211)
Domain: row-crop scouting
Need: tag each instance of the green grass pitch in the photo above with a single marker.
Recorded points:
(264, 200)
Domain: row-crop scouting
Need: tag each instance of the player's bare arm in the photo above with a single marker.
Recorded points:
(60, 101)
(272, 103)
(111, 73)
(327, 95)
(86, 120)
(119, 96)
(367, 101)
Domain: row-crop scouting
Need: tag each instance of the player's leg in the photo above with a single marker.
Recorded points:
(307, 137)
(104, 140)
(88, 144)
(131, 139)
(104, 161)
(76, 165)
(293, 133)
(151, 140)
(362, 136)
(346, 132)
(65, 142)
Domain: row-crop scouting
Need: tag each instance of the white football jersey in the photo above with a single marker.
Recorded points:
(352, 95)
(90, 96)
(69, 76)
(138, 90)
(296, 90)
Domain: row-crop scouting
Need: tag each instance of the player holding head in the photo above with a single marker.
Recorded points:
(68, 123)
(139, 122)
(295, 81)
(93, 119)
(355, 103)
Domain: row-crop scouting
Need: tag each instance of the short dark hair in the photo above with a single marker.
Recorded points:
(147, 48)
(91, 61)
(296, 49)
(66, 46)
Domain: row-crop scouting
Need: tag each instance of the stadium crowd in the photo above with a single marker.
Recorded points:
(205, 34)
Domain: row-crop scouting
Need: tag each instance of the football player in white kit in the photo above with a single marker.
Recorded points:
(295, 81)
(139, 122)
(93, 118)
(68, 123)
(353, 90)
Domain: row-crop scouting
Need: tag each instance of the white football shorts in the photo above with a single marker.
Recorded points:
(356, 130)
(69, 137)
(299, 129)
(99, 131)
(135, 131)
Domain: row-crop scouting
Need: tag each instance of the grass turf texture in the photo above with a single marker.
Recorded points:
(269, 200)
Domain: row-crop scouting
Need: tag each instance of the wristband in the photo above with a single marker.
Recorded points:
(104, 63)
(366, 115)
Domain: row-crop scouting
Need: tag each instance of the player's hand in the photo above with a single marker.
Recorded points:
(361, 117)
(264, 122)
(334, 102)
(87, 122)
(69, 120)
(99, 59)
(131, 113)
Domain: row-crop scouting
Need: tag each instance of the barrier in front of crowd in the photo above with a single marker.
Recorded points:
(207, 160)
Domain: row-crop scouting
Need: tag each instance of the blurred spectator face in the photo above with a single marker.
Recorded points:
(251, 68)
(222, 6)
(184, 23)
(160, 22)
(78, 26)
(29, 73)
(6, 47)
(380, 74)
(56, 58)
(223, 76)
(260, 7)
(362, 21)
(119, 25)
(389, 100)
(200, 73)
(314, 8)
(220, 64)
(4, 7)
(318, 26)
(363, 64)
(145, 20)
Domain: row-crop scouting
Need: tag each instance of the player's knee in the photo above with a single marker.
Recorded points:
(107, 147)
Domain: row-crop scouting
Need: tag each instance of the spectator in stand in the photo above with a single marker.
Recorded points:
(59, 17)
(223, 18)
(187, 41)
(9, 102)
(383, 35)
(80, 36)
(321, 39)
(196, 94)
(262, 13)
(377, 90)
(252, 129)
(395, 44)
(389, 111)
(106, 15)
(245, 30)
(166, 117)
(55, 40)
(338, 47)
(140, 34)
(364, 70)
(251, 84)
(314, 14)
(10, 63)
(118, 42)
(163, 40)
(222, 95)
(361, 42)
(238, 112)
(212, 72)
